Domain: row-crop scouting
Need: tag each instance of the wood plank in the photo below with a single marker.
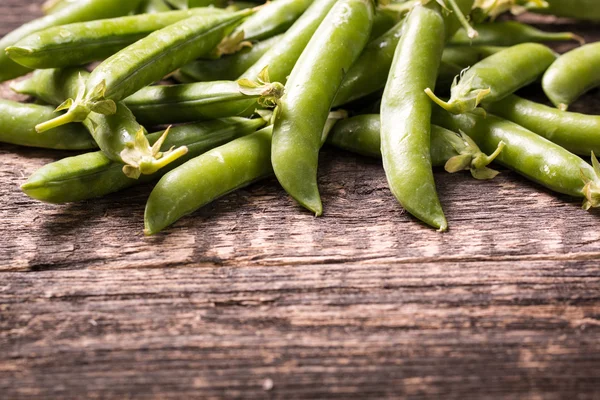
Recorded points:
(251, 297)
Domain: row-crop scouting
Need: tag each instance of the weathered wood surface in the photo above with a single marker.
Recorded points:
(251, 292)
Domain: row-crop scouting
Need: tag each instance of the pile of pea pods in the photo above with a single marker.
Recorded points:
(207, 96)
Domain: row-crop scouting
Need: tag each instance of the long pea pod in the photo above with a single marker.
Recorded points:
(509, 33)
(572, 74)
(454, 151)
(406, 111)
(310, 91)
(158, 105)
(578, 133)
(273, 19)
(94, 175)
(144, 62)
(118, 135)
(529, 154)
(497, 77)
(282, 57)
(83, 42)
(225, 68)
(17, 126)
(82, 10)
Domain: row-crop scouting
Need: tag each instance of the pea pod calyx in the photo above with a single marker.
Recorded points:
(471, 158)
(591, 189)
(268, 92)
(466, 98)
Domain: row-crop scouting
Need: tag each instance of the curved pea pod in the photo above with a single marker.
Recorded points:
(466, 56)
(580, 9)
(578, 133)
(273, 18)
(153, 6)
(454, 151)
(509, 33)
(84, 42)
(496, 77)
(94, 175)
(52, 86)
(82, 10)
(529, 154)
(157, 105)
(310, 90)
(17, 126)
(146, 61)
(225, 68)
(572, 74)
(282, 57)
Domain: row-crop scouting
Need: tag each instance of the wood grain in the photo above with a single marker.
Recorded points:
(251, 297)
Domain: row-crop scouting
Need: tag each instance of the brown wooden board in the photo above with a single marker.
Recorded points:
(251, 297)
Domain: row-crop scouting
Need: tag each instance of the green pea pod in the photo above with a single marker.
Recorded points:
(272, 19)
(146, 61)
(119, 135)
(282, 57)
(497, 77)
(84, 42)
(406, 114)
(578, 133)
(466, 56)
(382, 22)
(225, 68)
(572, 74)
(208, 177)
(94, 175)
(153, 7)
(454, 151)
(529, 154)
(82, 10)
(310, 91)
(580, 9)
(18, 122)
(509, 33)
(158, 105)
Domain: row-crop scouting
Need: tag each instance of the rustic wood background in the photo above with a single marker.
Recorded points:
(253, 298)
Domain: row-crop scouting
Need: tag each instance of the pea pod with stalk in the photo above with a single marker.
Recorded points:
(18, 122)
(496, 77)
(83, 42)
(529, 154)
(158, 105)
(310, 90)
(578, 133)
(572, 74)
(454, 151)
(82, 10)
(144, 62)
(93, 174)
(406, 111)
(118, 135)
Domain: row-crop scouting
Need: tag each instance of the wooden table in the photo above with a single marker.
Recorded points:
(252, 297)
